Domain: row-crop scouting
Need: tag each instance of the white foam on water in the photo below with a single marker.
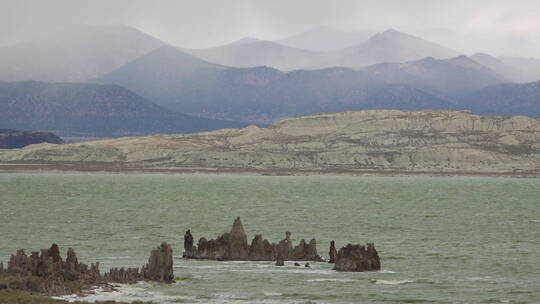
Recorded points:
(114, 258)
(126, 293)
(331, 280)
(272, 294)
(386, 271)
(393, 282)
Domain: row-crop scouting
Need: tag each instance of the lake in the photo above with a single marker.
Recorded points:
(441, 239)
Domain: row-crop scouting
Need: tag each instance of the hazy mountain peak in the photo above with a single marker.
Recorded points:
(245, 40)
(165, 58)
(76, 54)
(393, 32)
(257, 53)
(325, 38)
(482, 55)
(467, 62)
(395, 36)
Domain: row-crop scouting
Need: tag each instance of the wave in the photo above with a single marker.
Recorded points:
(331, 280)
(392, 282)
(126, 293)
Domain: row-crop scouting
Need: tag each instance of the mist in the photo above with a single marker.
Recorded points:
(494, 26)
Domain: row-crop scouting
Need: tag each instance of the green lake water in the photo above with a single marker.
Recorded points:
(441, 239)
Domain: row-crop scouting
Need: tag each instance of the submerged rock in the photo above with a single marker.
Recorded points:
(332, 252)
(357, 258)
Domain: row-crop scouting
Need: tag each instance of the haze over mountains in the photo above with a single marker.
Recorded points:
(325, 39)
(184, 83)
(75, 54)
(146, 86)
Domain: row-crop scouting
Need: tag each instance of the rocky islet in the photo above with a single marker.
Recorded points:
(47, 273)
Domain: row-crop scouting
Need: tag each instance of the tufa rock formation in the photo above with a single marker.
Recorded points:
(47, 273)
(160, 265)
(332, 253)
(159, 268)
(188, 241)
(234, 246)
(357, 258)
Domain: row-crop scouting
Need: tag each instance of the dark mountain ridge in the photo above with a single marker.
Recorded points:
(184, 83)
(505, 99)
(71, 109)
(14, 139)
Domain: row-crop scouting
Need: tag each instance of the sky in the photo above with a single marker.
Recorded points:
(499, 27)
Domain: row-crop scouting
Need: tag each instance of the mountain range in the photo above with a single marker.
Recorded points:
(184, 83)
(144, 86)
(388, 46)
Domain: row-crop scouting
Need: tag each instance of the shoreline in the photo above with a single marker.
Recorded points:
(122, 169)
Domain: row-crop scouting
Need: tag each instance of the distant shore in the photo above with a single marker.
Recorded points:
(135, 168)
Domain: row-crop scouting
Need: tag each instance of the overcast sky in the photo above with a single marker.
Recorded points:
(501, 27)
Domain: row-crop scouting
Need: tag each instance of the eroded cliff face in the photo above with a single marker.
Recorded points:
(391, 140)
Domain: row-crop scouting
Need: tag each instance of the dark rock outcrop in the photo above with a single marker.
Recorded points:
(188, 241)
(332, 252)
(261, 249)
(284, 248)
(14, 139)
(123, 275)
(160, 265)
(47, 273)
(234, 246)
(357, 258)
(239, 248)
(306, 252)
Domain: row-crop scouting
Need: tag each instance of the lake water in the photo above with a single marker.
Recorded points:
(441, 239)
